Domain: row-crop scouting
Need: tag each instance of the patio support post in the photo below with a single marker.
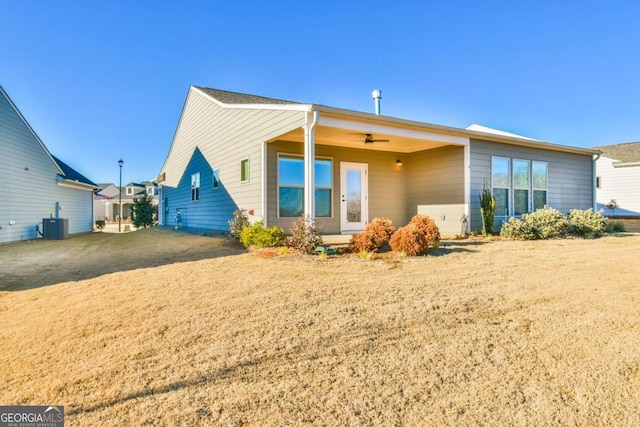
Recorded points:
(309, 164)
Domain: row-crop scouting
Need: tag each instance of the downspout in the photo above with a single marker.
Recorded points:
(263, 187)
(467, 186)
(309, 164)
(593, 180)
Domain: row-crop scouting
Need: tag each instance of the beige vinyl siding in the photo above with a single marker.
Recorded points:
(436, 186)
(29, 187)
(387, 183)
(225, 136)
(619, 184)
(570, 175)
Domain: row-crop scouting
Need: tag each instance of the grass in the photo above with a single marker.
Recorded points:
(499, 333)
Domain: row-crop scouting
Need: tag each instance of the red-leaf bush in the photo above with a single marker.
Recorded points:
(410, 240)
(415, 238)
(427, 227)
(374, 236)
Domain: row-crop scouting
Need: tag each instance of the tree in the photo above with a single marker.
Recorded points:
(142, 211)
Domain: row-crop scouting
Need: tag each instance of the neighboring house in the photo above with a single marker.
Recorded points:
(107, 200)
(35, 184)
(278, 160)
(618, 178)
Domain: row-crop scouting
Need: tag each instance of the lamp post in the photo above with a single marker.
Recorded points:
(120, 162)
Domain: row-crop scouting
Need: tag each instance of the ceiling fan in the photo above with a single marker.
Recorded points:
(369, 139)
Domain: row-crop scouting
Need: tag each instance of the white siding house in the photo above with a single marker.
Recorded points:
(279, 159)
(618, 179)
(34, 184)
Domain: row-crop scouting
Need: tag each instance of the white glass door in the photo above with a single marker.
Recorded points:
(354, 208)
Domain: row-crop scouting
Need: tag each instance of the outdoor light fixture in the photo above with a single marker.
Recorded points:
(120, 162)
(398, 162)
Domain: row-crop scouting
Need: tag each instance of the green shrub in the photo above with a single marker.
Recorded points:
(261, 237)
(238, 223)
(305, 235)
(586, 223)
(374, 236)
(550, 223)
(615, 226)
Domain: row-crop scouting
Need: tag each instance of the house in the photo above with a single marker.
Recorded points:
(618, 179)
(35, 184)
(106, 201)
(280, 159)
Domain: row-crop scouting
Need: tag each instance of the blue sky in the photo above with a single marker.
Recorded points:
(104, 80)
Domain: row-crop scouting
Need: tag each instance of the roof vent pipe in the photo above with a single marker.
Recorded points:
(377, 96)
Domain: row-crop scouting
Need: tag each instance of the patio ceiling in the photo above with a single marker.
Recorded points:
(398, 142)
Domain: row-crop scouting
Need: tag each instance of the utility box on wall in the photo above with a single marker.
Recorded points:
(55, 228)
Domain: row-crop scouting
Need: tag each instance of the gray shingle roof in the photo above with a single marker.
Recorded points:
(72, 174)
(628, 152)
(241, 98)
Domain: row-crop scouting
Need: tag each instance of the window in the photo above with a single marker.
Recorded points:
(539, 170)
(521, 184)
(195, 187)
(598, 182)
(150, 191)
(216, 179)
(291, 186)
(129, 191)
(524, 182)
(244, 170)
(500, 181)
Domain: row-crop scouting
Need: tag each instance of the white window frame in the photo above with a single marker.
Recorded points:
(215, 177)
(299, 156)
(129, 191)
(508, 187)
(247, 178)
(514, 188)
(534, 188)
(195, 186)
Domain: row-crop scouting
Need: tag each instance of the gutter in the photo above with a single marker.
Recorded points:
(593, 179)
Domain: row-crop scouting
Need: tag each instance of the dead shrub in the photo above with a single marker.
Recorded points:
(374, 236)
(409, 240)
(427, 227)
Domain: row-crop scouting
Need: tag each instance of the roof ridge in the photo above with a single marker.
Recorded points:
(230, 97)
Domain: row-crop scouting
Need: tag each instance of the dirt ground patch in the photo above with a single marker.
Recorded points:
(35, 263)
(487, 333)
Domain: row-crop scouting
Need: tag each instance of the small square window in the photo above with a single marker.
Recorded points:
(244, 170)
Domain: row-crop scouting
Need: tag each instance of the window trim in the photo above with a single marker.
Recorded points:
(527, 188)
(533, 186)
(512, 186)
(300, 156)
(215, 177)
(508, 187)
(248, 177)
(195, 196)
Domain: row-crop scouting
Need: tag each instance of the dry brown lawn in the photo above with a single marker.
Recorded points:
(194, 331)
